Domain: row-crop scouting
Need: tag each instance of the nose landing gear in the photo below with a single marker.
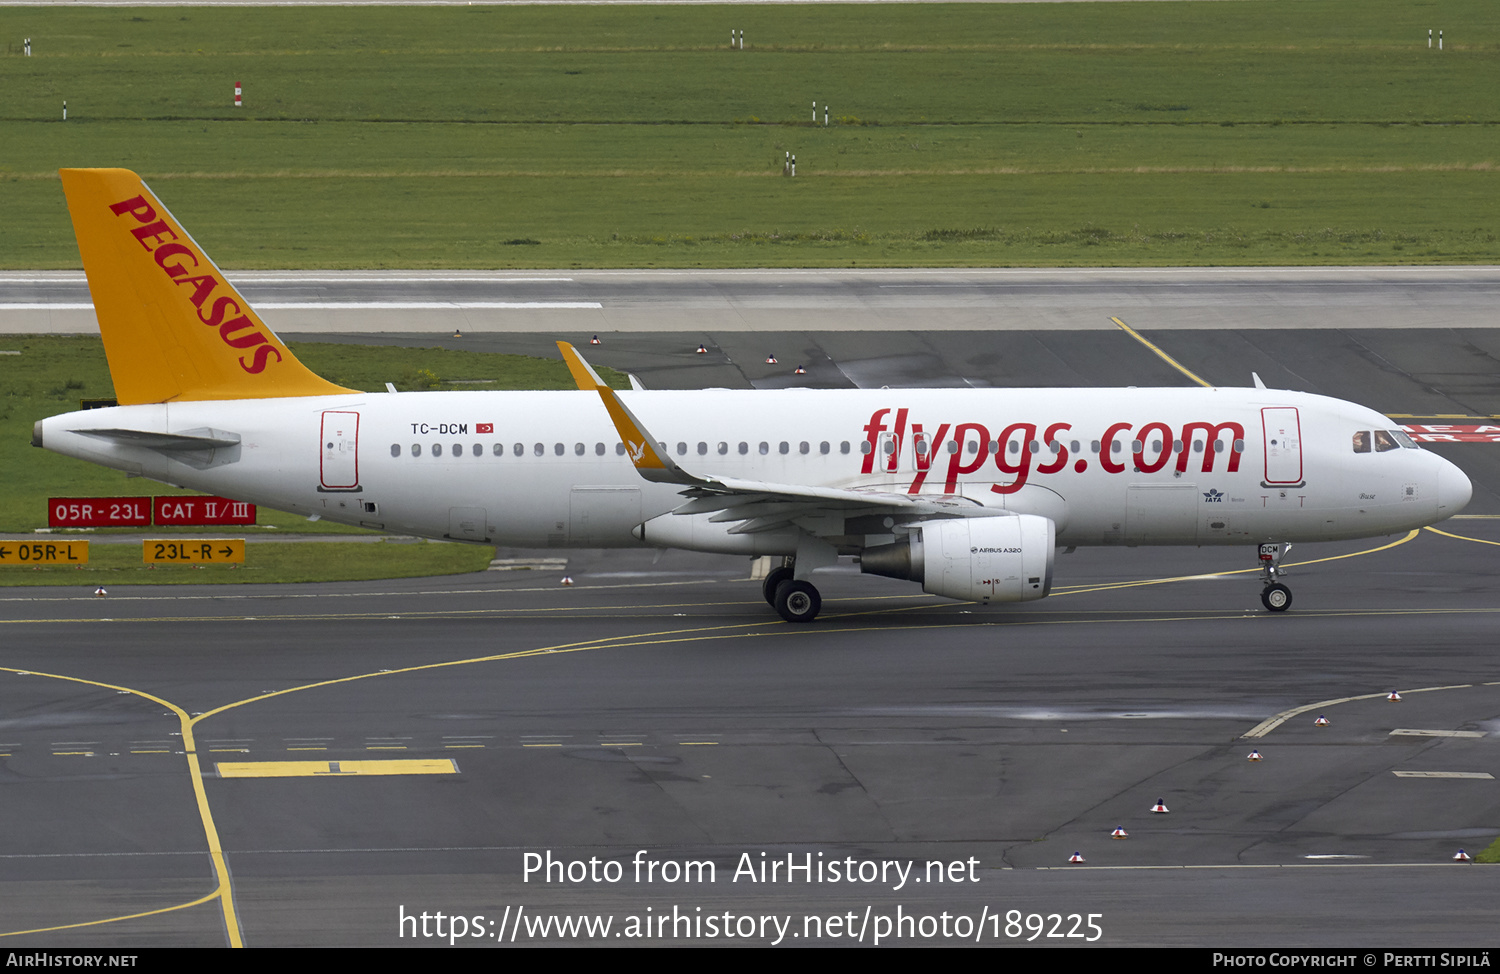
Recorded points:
(1275, 596)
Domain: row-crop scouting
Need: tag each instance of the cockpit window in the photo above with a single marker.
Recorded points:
(1407, 443)
(1385, 442)
(1362, 441)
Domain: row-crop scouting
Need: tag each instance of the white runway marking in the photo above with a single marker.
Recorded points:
(347, 305)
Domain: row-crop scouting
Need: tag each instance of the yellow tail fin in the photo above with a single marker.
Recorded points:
(174, 328)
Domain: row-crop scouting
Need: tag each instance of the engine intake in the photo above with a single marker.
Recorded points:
(982, 559)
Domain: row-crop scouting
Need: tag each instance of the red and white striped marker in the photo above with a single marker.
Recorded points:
(1393, 697)
(770, 360)
(1076, 857)
(1160, 807)
(1463, 857)
(1255, 755)
(238, 92)
(566, 581)
(100, 591)
(1321, 721)
(595, 341)
(702, 349)
(1119, 834)
(799, 370)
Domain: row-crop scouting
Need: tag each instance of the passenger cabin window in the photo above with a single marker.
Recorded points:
(395, 449)
(416, 449)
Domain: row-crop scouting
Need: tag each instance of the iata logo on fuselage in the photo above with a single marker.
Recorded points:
(175, 259)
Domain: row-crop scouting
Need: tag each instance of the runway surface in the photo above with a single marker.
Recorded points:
(818, 300)
(656, 716)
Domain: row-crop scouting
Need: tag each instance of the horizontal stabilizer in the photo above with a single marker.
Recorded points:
(193, 440)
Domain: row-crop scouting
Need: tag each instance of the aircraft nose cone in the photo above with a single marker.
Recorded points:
(1454, 490)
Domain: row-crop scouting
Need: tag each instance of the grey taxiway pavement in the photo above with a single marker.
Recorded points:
(659, 740)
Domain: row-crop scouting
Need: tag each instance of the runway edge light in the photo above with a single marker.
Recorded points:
(1160, 807)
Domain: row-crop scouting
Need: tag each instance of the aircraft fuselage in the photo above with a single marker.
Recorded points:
(545, 469)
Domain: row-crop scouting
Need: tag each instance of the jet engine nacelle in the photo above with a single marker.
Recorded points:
(982, 559)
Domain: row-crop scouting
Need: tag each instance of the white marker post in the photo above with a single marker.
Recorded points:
(65, 109)
(815, 111)
(731, 38)
(28, 47)
(786, 167)
(1440, 40)
(1429, 38)
(794, 167)
(825, 116)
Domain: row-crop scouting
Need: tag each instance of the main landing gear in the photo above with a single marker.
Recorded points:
(796, 600)
(1275, 596)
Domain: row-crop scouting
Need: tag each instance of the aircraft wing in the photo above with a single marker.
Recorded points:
(757, 505)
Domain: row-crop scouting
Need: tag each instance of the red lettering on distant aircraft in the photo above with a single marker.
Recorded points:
(1019, 471)
(153, 235)
(261, 354)
(154, 231)
(172, 250)
(1017, 449)
(137, 207)
(1107, 448)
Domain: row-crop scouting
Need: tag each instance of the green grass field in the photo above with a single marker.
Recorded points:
(1255, 132)
(323, 561)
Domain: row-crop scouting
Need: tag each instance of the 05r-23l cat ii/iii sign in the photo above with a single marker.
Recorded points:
(968, 492)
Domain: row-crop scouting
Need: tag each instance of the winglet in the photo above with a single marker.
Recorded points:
(651, 463)
(174, 328)
(588, 380)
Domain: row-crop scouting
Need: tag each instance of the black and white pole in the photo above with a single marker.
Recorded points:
(786, 167)
(65, 109)
(28, 47)
(1440, 40)
(815, 111)
(1429, 38)
(825, 116)
(794, 167)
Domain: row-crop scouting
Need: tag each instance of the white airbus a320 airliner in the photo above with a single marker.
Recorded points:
(969, 492)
